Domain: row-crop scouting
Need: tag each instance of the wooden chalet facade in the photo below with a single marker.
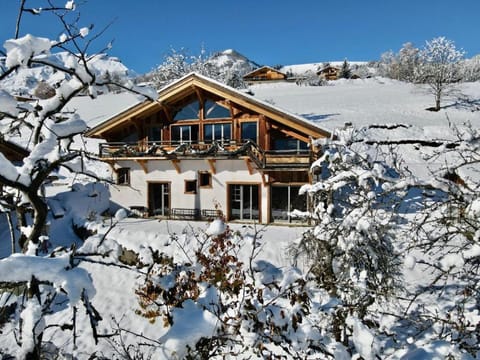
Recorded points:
(204, 147)
(265, 73)
(329, 72)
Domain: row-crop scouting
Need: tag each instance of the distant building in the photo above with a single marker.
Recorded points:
(264, 73)
(329, 72)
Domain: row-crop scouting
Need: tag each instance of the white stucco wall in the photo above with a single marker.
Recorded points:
(226, 171)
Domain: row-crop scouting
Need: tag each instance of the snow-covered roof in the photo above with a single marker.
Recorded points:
(197, 79)
(260, 69)
(103, 107)
(396, 109)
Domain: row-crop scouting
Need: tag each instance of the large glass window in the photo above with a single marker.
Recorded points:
(218, 132)
(214, 110)
(188, 112)
(185, 133)
(249, 131)
(290, 145)
(285, 199)
(154, 133)
(244, 202)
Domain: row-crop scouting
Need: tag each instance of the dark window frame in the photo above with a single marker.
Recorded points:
(190, 186)
(201, 178)
(123, 176)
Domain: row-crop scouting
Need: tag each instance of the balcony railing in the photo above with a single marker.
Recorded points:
(174, 150)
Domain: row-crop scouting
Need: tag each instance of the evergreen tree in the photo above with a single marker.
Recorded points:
(345, 71)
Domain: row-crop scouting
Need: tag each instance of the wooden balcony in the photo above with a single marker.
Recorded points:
(189, 150)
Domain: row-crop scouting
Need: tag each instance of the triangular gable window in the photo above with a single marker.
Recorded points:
(188, 112)
(214, 110)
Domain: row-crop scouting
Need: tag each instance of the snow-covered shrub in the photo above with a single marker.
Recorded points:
(447, 234)
(351, 249)
(238, 309)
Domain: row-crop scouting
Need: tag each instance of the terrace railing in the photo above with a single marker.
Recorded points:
(173, 150)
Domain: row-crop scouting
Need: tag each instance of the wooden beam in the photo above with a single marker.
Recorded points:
(264, 178)
(168, 113)
(291, 133)
(176, 165)
(230, 107)
(143, 164)
(211, 163)
(248, 162)
(199, 96)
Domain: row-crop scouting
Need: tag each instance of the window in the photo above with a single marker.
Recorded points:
(154, 133)
(290, 144)
(218, 132)
(185, 133)
(190, 186)
(249, 131)
(284, 142)
(159, 199)
(284, 200)
(244, 202)
(214, 110)
(205, 179)
(123, 176)
(188, 112)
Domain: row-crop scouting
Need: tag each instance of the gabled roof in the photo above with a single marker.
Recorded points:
(326, 68)
(189, 85)
(261, 70)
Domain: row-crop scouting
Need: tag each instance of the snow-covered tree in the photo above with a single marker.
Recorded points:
(470, 69)
(407, 62)
(33, 104)
(447, 234)
(345, 71)
(179, 63)
(401, 65)
(38, 77)
(439, 68)
(350, 248)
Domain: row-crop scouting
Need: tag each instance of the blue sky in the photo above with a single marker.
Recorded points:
(269, 32)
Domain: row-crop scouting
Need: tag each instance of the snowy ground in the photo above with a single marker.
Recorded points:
(360, 102)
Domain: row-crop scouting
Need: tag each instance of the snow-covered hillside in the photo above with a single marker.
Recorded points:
(374, 101)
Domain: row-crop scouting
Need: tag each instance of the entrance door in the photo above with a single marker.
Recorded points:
(159, 199)
(244, 202)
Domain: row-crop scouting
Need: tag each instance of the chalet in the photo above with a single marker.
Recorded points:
(204, 147)
(265, 73)
(329, 72)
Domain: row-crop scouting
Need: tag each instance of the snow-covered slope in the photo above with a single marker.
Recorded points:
(379, 101)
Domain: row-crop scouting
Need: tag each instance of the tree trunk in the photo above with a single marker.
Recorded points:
(40, 210)
(21, 222)
(12, 231)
